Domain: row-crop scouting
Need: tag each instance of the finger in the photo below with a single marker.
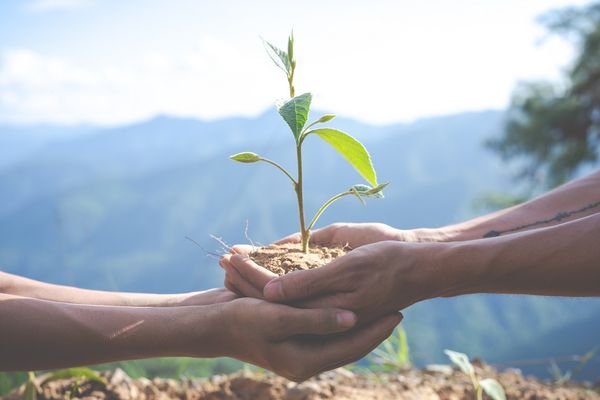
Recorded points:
(244, 249)
(234, 279)
(293, 238)
(225, 261)
(354, 345)
(322, 321)
(299, 285)
(229, 286)
(251, 271)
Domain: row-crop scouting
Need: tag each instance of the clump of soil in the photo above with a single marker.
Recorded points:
(283, 258)
(433, 383)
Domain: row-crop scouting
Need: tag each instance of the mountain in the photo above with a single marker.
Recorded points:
(110, 209)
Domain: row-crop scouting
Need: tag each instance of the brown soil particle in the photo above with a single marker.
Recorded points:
(428, 384)
(284, 258)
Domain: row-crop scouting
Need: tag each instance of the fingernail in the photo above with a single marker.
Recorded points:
(273, 291)
(345, 319)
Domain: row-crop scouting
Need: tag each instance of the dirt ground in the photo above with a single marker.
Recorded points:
(435, 382)
(284, 258)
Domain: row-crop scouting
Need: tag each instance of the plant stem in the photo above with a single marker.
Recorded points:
(325, 205)
(276, 165)
(291, 84)
(305, 233)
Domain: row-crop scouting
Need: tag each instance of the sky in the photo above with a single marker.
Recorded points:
(111, 62)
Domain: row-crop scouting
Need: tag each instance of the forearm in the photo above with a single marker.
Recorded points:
(39, 334)
(19, 286)
(562, 260)
(571, 201)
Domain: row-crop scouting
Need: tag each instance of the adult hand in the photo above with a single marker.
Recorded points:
(298, 343)
(372, 280)
(353, 234)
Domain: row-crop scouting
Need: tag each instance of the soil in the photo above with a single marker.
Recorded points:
(284, 258)
(433, 383)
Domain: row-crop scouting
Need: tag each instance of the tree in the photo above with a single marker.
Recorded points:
(553, 127)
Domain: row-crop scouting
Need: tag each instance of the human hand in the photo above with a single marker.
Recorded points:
(353, 234)
(371, 280)
(298, 343)
(345, 234)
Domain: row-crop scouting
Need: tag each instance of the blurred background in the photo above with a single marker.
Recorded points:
(117, 119)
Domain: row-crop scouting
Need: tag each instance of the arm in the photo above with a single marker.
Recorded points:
(40, 334)
(23, 287)
(568, 202)
(573, 200)
(560, 260)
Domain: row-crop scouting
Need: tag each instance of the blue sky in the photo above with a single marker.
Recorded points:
(117, 61)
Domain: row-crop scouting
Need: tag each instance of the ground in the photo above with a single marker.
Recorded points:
(435, 382)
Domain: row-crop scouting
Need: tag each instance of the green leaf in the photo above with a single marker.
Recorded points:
(75, 373)
(461, 360)
(279, 57)
(290, 52)
(30, 392)
(493, 389)
(295, 113)
(351, 149)
(245, 157)
(368, 191)
(325, 118)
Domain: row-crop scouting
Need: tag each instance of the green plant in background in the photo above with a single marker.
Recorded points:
(295, 113)
(31, 391)
(561, 377)
(393, 354)
(490, 386)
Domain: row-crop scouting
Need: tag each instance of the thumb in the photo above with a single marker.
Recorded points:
(293, 238)
(299, 285)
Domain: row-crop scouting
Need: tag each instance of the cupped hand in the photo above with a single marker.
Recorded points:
(298, 343)
(353, 234)
(372, 280)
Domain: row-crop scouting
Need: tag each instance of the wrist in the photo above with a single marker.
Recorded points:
(465, 265)
(426, 235)
(195, 331)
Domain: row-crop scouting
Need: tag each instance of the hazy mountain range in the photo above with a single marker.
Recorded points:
(110, 209)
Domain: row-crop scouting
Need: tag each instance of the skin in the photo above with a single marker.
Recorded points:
(295, 343)
(391, 269)
(24, 287)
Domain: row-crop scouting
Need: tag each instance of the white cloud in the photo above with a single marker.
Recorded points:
(50, 5)
(206, 82)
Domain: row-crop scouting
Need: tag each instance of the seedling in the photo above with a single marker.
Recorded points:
(393, 354)
(491, 387)
(295, 113)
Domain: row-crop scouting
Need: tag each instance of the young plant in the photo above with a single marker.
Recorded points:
(393, 354)
(490, 386)
(295, 113)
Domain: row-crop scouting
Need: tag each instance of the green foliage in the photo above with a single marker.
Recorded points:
(351, 149)
(246, 157)
(553, 128)
(295, 113)
(393, 354)
(31, 391)
(490, 386)
(461, 360)
(493, 389)
(83, 373)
